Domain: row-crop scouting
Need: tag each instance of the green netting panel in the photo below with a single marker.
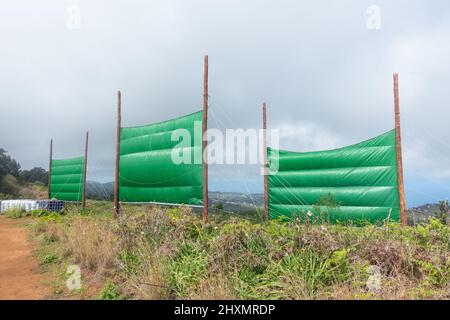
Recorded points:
(147, 172)
(361, 179)
(67, 179)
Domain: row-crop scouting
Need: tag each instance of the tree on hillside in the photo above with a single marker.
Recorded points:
(9, 171)
(443, 211)
(36, 174)
(8, 165)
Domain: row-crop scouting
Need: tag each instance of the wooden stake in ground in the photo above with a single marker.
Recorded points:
(50, 169)
(204, 140)
(398, 144)
(266, 183)
(116, 179)
(83, 198)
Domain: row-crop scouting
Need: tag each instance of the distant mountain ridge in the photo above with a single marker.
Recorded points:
(100, 191)
(422, 213)
(231, 201)
(237, 201)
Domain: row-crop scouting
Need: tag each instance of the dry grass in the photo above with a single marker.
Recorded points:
(92, 244)
(150, 280)
(215, 287)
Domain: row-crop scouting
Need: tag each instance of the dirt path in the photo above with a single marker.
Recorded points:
(19, 278)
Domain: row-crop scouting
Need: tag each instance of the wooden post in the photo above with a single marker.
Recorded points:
(266, 183)
(204, 140)
(50, 169)
(116, 179)
(398, 144)
(83, 198)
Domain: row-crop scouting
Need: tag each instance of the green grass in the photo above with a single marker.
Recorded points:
(109, 292)
(16, 213)
(49, 258)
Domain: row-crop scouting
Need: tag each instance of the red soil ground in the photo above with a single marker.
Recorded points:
(19, 277)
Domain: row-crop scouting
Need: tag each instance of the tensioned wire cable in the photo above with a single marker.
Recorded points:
(433, 136)
(409, 187)
(294, 194)
(98, 188)
(162, 181)
(239, 171)
(65, 183)
(297, 196)
(282, 180)
(440, 154)
(437, 152)
(287, 186)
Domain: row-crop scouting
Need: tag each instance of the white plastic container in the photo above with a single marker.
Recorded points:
(27, 205)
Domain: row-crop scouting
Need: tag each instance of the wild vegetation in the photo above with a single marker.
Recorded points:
(15, 182)
(155, 253)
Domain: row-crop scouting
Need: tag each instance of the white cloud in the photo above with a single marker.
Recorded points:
(305, 137)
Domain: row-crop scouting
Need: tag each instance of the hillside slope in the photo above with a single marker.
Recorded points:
(11, 188)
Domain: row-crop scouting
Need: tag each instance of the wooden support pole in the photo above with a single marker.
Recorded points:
(50, 169)
(83, 198)
(204, 140)
(266, 182)
(116, 179)
(398, 144)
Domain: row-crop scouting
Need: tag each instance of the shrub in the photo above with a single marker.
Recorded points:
(186, 270)
(151, 277)
(49, 258)
(16, 213)
(110, 292)
(443, 211)
(39, 213)
(10, 185)
(436, 274)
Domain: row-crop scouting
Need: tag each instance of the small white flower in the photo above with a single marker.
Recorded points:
(309, 213)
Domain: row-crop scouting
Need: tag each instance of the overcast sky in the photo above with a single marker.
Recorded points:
(326, 76)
